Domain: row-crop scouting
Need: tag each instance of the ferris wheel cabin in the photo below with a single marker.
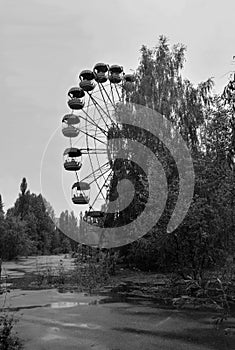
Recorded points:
(87, 82)
(72, 159)
(115, 74)
(81, 193)
(129, 80)
(94, 217)
(68, 125)
(76, 98)
(101, 71)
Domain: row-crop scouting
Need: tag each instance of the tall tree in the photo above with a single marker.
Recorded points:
(22, 203)
(1, 207)
(23, 186)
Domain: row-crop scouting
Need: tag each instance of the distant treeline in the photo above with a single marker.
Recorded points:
(29, 227)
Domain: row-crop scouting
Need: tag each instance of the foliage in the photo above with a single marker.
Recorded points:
(207, 234)
(213, 291)
(51, 276)
(94, 268)
(13, 238)
(68, 225)
(8, 338)
(29, 227)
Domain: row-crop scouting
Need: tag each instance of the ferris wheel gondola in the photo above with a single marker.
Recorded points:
(76, 98)
(87, 82)
(80, 192)
(72, 159)
(68, 125)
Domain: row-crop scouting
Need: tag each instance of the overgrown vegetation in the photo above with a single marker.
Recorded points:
(206, 237)
(9, 339)
(92, 269)
(30, 228)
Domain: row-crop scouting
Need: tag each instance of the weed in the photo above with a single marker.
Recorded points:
(9, 339)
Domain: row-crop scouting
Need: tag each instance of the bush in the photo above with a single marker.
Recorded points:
(8, 338)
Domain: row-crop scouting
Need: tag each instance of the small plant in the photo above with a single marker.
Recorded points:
(215, 289)
(60, 274)
(9, 339)
(39, 274)
(47, 275)
(95, 270)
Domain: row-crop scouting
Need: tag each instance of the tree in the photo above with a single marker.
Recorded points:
(1, 208)
(69, 231)
(23, 186)
(33, 211)
(14, 240)
(201, 120)
(22, 204)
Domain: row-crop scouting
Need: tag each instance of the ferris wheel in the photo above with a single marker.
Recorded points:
(91, 122)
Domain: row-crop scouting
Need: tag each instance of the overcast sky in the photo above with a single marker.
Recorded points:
(46, 43)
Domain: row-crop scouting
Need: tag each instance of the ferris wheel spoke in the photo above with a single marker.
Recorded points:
(104, 104)
(96, 124)
(92, 122)
(88, 134)
(101, 87)
(102, 174)
(117, 92)
(96, 171)
(75, 143)
(111, 89)
(100, 110)
(98, 134)
(100, 188)
(100, 191)
(91, 150)
(77, 177)
(100, 167)
(89, 155)
(96, 154)
(93, 170)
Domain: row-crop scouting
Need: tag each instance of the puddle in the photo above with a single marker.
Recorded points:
(65, 304)
(55, 329)
(55, 305)
(52, 336)
(26, 307)
(131, 293)
(88, 325)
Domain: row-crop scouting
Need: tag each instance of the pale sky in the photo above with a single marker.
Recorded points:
(46, 43)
